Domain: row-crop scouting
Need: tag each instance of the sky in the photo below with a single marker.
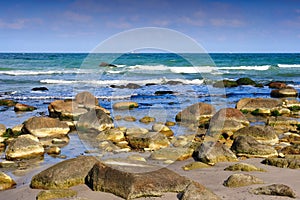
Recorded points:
(219, 26)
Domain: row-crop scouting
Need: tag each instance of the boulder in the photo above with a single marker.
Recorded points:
(132, 86)
(104, 64)
(214, 152)
(291, 150)
(24, 147)
(55, 194)
(284, 92)
(246, 81)
(136, 131)
(6, 181)
(225, 84)
(65, 110)
(65, 174)
(39, 89)
(247, 146)
(7, 102)
(195, 165)
(148, 141)
(256, 104)
(54, 150)
(45, 127)
(244, 167)
(275, 190)
(147, 120)
(17, 130)
(172, 154)
(292, 163)
(86, 99)
(163, 129)
(196, 191)
(240, 180)
(125, 105)
(262, 134)
(19, 107)
(283, 124)
(277, 85)
(199, 113)
(163, 92)
(95, 119)
(134, 179)
(115, 135)
(226, 121)
(2, 129)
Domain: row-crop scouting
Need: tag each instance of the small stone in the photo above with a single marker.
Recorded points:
(240, 180)
(8, 164)
(243, 167)
(6, 181)
(118, 117)
(171, 153)
(125, 105)
(23, 107)
(147, 120)
(195, 165)
(17, 130)
(275, 190)
(129, 118)
(55, 194)
(136, 157)
(162, 129)
(169, 123)
(54, 150)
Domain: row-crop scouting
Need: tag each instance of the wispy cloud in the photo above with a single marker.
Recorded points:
(19, 23)
(218, 22)
(161, 22)
(122, 24)
(73, 16)
(191, 21)
(77, 34)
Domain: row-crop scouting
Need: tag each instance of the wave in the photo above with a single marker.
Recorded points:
(255, 67)
(121, 82)
(288, 65)
(66, 97)
(49, 72)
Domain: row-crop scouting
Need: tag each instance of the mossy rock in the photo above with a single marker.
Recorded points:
(246, 81)
(225, 83)
(243, 167)
(7, 102)
(195, 165)
(55, 194)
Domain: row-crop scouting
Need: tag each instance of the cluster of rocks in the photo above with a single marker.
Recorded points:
(217, 136)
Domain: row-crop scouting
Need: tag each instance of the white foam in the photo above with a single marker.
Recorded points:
(259, 68)
(192, 70)
(49, 72)
(288, 65)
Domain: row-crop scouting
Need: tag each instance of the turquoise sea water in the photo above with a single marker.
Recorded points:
(67, 74)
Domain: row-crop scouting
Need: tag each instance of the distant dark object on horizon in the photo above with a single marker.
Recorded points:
(104, 64)
(39, 89)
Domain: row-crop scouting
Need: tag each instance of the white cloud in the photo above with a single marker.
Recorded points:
(226, 22)
(19, 23)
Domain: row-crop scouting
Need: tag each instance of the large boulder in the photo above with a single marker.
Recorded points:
(86, 99)
(6, 181)
(65, 174)
(262, 105)
(19, 107)
(45, 127)
(133, 180)
(240, 180)
(199, 113)
(275, 190)
(284, 92)
(214, 152)
(226, 121)
(263, 134)
(95, 119)
(65, 110)
(249, 147)
(196, 191)
(24, 147)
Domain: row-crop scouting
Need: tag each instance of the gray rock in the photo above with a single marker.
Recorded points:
(196, 191)
(65, 174)
(45, 127)
(247, 146)
(24, 147)
(240, 180)
(283, 162)
(263, 134)
(276, 190)
(134, 180)
(95, 119)
(214, 152)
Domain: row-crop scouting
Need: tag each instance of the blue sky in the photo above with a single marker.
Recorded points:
(219, 26)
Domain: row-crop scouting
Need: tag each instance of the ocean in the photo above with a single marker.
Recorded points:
(188, 76)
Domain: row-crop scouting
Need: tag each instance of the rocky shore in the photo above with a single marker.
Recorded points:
(257, 137)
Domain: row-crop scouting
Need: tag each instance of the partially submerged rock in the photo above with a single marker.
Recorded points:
(6, 181)
(263, 105)
(45, 127)
(240, 180)
(24, 147)
(65, 174)
(147, 119)
(225, 84)
(95, 119)
(275, 190)
(284, 92)
(65, 110)
(19, 107)
(214, 152)
(125, 105)
(247, 146)
(291, 163)
(86, 99)
(163, 129)
(7, 102)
